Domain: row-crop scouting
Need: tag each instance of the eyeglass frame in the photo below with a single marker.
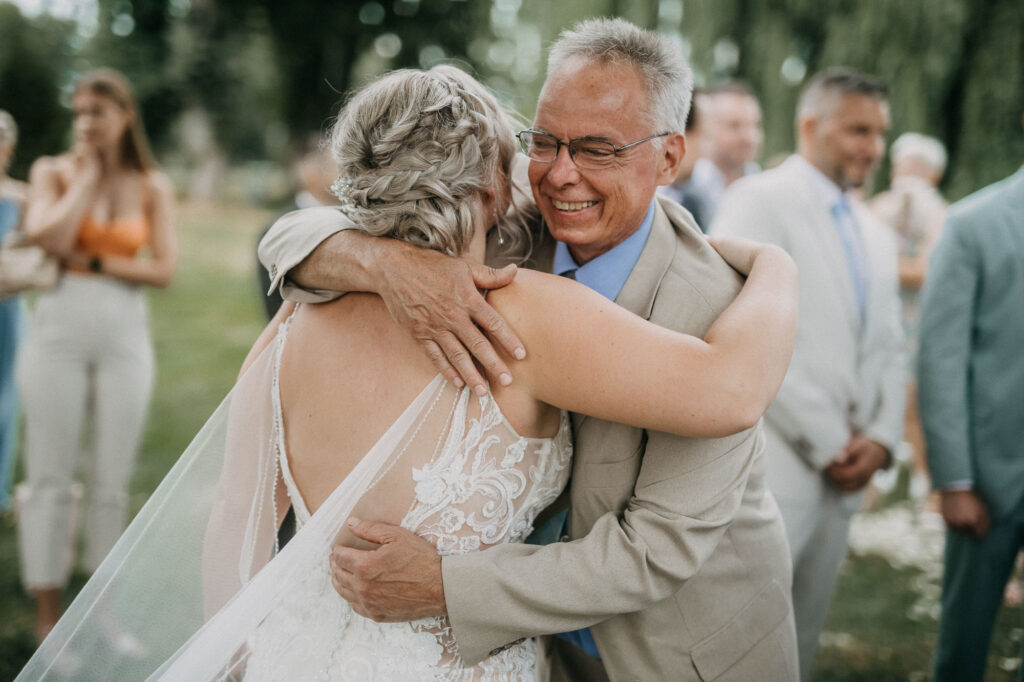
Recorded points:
(569, 145)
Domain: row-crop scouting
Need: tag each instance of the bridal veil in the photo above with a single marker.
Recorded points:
(197, 571)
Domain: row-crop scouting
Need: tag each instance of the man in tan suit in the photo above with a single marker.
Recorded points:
(676, 556)
(838, 416)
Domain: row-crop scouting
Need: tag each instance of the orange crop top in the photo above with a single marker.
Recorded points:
(123, 237)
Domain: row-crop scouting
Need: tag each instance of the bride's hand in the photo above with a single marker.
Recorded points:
(741, 253)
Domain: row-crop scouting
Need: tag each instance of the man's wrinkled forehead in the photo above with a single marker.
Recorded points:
(565, 94)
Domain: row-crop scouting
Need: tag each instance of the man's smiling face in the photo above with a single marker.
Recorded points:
(593, 211)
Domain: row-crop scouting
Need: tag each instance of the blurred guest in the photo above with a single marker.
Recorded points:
(732, 116)
(96, 207)
(971, 383)
(837, 418)
(12, 202)
(915, 210)
(314, 173)
(682, 190)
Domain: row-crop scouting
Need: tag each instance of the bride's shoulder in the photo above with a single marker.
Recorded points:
(539, 305)
(528, 290)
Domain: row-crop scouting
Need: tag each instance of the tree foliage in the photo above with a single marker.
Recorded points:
(34, 54)
(952, 66)
(269, 74)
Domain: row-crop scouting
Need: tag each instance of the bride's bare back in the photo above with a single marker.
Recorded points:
(348, 371)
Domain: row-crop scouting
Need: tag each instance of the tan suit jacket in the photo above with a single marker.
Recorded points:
(678, 558)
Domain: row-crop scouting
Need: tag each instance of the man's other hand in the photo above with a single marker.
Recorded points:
(398, 581)
(965, 512)
(852, 469)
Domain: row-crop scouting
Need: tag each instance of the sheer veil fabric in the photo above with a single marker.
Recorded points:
(187, 586)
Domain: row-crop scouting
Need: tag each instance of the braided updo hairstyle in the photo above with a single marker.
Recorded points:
(415, 149)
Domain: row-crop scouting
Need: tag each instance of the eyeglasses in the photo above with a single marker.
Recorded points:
(586, 153)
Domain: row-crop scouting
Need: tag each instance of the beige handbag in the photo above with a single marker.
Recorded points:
(25, 266)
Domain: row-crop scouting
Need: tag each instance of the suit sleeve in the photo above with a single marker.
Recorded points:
(682, 504)
(947, 315)
(290, 240)
(802, 412)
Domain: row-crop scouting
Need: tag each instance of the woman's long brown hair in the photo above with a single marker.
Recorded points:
(114, 86)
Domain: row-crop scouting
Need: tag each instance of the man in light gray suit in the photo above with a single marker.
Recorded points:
(676, 557)
(838, 416)
(971, 394)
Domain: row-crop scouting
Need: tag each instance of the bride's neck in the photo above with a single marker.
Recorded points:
(477, 250)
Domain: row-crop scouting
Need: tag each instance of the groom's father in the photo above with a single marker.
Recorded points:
(677, 559)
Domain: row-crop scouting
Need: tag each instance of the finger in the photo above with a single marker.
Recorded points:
(346, 559)
(462, 361)
(485, 354)
(490, 278)
(494, 324)
(340, 581)
(441, 363)
(372, 531)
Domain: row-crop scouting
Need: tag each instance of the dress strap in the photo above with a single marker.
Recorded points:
(301, 511)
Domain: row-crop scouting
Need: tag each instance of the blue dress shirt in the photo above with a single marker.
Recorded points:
(607, 273)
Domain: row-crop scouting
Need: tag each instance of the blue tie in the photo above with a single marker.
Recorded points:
(853, 246)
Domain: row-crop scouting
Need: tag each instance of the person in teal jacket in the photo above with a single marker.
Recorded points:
(971, 379)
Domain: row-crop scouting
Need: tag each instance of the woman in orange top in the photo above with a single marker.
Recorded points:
(88, 356)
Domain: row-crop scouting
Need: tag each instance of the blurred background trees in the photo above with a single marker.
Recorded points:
(229, 82)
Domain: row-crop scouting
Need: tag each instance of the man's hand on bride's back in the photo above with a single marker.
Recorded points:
(437, 299)
(398, 581)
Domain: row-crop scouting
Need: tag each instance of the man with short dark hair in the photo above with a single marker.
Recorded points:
(838, 416)
(682, 189)
(733, 130)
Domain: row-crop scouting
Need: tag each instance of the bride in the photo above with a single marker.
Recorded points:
(338, 413)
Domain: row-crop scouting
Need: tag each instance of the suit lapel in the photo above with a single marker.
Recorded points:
(637, 294)
(824, 234)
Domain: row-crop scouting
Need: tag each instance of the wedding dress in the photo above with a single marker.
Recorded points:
(200, 586)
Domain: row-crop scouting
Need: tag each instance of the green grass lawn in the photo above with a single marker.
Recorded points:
(882, 625)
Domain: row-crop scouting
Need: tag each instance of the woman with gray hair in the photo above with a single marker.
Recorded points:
(915, 211)
(12, 203)
(337, 413)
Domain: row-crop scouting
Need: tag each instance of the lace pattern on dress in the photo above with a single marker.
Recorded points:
(483, 486)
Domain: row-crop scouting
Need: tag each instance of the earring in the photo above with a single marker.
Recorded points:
(497, 226)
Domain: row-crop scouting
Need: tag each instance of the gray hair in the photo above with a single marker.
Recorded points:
(925, 149)
(415, 149)
(8, 129)
(823, 91)
(660, 63)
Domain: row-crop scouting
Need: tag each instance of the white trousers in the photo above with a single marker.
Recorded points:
(817, 519)
(85, 373)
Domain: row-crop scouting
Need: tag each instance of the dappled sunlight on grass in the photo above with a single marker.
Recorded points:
(884, 620)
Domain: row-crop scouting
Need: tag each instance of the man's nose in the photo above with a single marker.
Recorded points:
(563, 169)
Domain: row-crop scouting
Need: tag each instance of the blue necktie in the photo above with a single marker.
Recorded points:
(849, 234)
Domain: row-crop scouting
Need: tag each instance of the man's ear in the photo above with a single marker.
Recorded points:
(670, 156)
(806, 127)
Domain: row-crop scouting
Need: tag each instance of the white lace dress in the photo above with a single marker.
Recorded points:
(484, 486)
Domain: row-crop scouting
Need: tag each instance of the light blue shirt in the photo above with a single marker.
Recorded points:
(606, 275)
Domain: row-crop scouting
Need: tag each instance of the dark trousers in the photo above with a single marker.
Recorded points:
(976, 571)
